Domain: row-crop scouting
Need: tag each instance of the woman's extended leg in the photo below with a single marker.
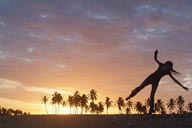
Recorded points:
(138, 89)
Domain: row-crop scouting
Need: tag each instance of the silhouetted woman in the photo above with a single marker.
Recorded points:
(153, 79)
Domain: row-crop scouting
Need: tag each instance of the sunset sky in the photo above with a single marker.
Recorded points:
(106, 45)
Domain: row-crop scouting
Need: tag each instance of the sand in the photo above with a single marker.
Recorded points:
(97, 121)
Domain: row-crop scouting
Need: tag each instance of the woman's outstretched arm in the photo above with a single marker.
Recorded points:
(155, 57)
(176, 81)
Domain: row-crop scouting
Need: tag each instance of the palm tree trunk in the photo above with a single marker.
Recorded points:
(81, 110)
(46, 108)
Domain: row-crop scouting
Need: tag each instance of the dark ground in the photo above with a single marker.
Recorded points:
(97, 121)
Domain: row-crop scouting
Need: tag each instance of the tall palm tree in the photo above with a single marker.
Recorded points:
(180, 103)
(53, 102)
(159, 106)
(64, 104)
(83, 102)
(77, 99)
(128, 110)
(93, 95)
(139, 107)
(129, 106)
(147, 103)
(44, 100)
(57, 99)
(189, 107)
(171, 105)
(93, 107)
(100, 108)
(121, 104)
(71, 102)
(108, 103)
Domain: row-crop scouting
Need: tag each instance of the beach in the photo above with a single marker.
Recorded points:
(97, 121)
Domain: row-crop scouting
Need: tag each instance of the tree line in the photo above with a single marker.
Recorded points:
(87, 103)
(12, 112)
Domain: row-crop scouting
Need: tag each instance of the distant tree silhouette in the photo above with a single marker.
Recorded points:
(180, 104)
(4, 111)
(44, 100)
(189, 107)
(71, 102)
(57, 99)
(54, 101)
(159, 107)
(77, 99)
(93, 107)
(171, 105)
(128, 110)
(83, 102)
(139, 107)
(121, 104)
(147, 103)
(108, 103)
(129, 106)
(12, 112)
(93, 95)
(64, 103)
(100, 108)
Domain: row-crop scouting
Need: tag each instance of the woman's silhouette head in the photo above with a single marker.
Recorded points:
(169, 66)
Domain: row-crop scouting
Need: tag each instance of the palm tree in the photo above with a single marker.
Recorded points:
(129, 106)
(93, 107)
(93, 95)
(180, 103)
(189, 107)
(64, 104)
(128, 110)
(139, 107)
(121, 104)
(71, 102)
(57, 99)
(100, 108)
(54, 101)
(83, 102)
(44, 100)
(77, 99)
(159, 106)
(147, 103)
(171, 105)
(108, 103)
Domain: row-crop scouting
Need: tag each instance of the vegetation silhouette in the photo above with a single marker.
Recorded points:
(154, 79)
(121, 104)
(108, 103)
(12, 112)
(86, 105)
(44, 100)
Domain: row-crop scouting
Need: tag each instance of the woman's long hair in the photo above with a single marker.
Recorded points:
(172, 70)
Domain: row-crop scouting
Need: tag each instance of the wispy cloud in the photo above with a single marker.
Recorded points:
(13, 85)
(188, 79)
(45, 90)
(8, 84)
